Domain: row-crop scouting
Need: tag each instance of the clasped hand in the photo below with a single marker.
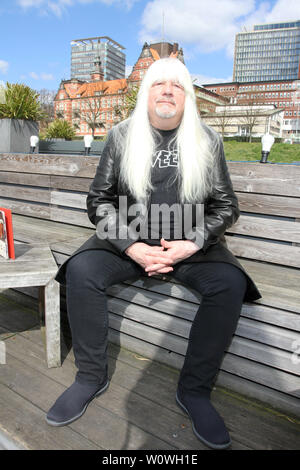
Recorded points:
(160, 259)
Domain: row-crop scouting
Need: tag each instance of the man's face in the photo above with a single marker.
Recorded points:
(166, 104)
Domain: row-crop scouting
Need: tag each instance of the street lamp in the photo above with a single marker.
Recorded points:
(267, 141)
(88, 139)
(34, 140)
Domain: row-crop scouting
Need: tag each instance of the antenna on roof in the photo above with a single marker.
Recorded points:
(163, 33)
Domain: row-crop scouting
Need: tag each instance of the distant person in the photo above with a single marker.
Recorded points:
(162, 155)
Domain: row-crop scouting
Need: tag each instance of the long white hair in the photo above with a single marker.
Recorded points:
(195, 149)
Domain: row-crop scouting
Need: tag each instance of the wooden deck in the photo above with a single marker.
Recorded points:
(137, 412)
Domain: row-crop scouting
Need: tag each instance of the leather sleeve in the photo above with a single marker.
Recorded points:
(222, 209)
(103, 200)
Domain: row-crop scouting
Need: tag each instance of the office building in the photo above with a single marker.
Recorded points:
(84, 52)
(269, 52)
(283, 94)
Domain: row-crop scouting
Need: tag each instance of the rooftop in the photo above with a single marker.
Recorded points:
(97, 39)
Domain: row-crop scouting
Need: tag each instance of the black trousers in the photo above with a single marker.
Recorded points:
(222, 286)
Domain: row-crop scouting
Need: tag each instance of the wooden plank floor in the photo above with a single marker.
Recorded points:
(137, 412)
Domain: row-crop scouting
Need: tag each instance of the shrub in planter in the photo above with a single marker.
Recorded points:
(19, 112)
(60, 129)
(20, 102)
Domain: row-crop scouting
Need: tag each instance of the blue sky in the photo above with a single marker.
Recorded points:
(35, 35)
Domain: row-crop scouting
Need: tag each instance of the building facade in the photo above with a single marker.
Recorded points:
(269, 52)
(246, 121)
(283, 94)
(150, 53)
(92, 106)
(85, 51)
(207, 100)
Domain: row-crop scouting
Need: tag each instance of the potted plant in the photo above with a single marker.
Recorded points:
(60, 129)
(20, 112)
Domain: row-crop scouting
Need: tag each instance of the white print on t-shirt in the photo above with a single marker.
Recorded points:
(165, 158)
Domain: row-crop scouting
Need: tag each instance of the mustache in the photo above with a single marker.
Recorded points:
(164, 100)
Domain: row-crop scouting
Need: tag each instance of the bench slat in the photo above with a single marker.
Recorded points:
(269, 204)
(25, 208)
(68, 165)
(272, 229)
(21, 194)
(63, 198)
(70, 217)
(73, 184)
(281, 180)
(245, 247)
(24, 179)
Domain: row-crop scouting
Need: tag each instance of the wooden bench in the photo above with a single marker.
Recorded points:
(47, 195)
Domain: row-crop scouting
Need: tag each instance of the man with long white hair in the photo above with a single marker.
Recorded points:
(163, 157)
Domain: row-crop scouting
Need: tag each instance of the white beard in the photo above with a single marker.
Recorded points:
(165, 114)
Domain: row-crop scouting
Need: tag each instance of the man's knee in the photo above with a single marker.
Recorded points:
(83, 267)
(220, 278)
(231, 279)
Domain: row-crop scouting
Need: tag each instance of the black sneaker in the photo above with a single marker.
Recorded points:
(207, 424)
(73, 403)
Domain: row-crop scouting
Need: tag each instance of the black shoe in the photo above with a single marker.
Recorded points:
(73, 403)
(207, 424)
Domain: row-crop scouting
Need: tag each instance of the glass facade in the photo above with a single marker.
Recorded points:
(269, 52)
(85, 51)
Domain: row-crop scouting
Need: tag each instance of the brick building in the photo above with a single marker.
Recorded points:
(151, 53)
(249, 121)
(86, 103)
(93, 104)
(283, 94)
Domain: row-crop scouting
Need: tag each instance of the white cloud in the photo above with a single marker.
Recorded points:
(58, 7)
(210, 25)
(3, 66)
(200, 22)
(30, 3)
(284, 10)
(200, 79)
(42, 76)
(125, 3)
(34, 75)
(47, 76)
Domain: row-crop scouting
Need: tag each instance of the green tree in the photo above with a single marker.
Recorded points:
(60, 129)
(46, 100)
(19, 101)
(91, 115)
(123, 112)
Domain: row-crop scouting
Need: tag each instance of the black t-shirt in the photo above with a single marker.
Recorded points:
(164, 178)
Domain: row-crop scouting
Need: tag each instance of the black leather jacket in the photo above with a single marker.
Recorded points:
(220, 212)
(220, 208)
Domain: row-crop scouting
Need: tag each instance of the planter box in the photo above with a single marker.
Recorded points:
(15, 135)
